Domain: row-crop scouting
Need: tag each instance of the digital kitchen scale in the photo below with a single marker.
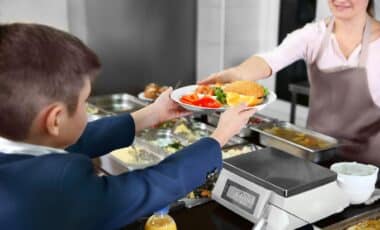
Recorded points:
(273, 187)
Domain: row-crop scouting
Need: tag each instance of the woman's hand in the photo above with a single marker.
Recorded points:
(224, 76)
(231, 122)
(252, 69)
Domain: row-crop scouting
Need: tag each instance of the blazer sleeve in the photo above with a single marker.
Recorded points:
(115, 201)
(104, 135)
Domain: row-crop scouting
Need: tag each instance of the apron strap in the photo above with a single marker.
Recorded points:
(365, 43)
(325, 38)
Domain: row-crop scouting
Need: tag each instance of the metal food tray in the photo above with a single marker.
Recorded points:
(117, 103)
(167, 131)
(259, 123)
(240, 149)
(161, 139)
(193, 202)
(345, 224)
(213, 119)
(95, 113)
(149, 149)
(233, 141)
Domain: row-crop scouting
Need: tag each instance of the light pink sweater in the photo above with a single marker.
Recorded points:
(304, 44)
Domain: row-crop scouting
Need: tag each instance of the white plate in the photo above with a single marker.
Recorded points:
(178, 93)
(142, 97)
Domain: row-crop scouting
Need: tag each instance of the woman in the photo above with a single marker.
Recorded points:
(343, 55)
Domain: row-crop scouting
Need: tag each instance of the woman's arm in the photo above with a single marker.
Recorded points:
(294, 47)
(254, 68)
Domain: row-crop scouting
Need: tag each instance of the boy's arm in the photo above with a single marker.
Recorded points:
(104, 135)
(120, 200)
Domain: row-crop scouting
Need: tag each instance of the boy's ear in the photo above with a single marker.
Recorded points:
(54, 118)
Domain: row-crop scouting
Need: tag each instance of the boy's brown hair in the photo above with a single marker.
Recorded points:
(39, 65)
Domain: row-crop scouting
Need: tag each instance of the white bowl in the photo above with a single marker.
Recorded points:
(356, 180)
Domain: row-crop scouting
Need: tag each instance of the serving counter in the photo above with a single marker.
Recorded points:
(212, 215)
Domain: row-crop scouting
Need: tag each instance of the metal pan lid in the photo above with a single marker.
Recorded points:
(280, 172)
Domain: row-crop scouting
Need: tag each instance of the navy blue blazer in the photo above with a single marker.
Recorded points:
(61, 191)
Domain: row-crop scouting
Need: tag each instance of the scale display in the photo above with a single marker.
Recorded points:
(241, 196)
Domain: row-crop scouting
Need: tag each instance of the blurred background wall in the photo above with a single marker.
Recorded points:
(54, 13)
(171, 41)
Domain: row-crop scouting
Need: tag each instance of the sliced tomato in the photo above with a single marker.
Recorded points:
(189, 99)
(208, 102)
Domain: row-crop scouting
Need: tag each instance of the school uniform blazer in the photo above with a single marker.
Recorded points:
(61, 191)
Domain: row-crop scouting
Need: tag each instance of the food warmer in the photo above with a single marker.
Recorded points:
(290, 138)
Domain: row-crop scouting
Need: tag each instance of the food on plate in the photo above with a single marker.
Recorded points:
(205, 90)
(248, 92)
(218, 95)
(152, 90)
(202, 101)
(366, 225)
(298, 137)
(248, 88)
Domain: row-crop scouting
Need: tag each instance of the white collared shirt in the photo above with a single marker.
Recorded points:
(12, 147)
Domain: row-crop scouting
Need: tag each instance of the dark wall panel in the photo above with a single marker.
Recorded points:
(142, 41)
(294, 14)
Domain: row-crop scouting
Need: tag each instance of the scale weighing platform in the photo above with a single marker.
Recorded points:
(276, 190)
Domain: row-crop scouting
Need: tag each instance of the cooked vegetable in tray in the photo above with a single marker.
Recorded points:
(289, 135)
(366, 225)
(136, 157)
(173, 135)
(237, 150)
(297, 137)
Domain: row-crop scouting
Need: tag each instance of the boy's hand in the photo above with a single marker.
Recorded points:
(231, 122)
(164, 108)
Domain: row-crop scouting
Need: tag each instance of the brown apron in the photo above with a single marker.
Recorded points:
(341, 105)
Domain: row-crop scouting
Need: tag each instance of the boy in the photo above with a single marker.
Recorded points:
(45, 79)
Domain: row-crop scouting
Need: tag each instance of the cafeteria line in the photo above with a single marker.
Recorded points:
(290, 187)
(174, 121)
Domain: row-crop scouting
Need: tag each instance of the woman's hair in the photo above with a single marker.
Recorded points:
(39, 65)
(370, 8)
